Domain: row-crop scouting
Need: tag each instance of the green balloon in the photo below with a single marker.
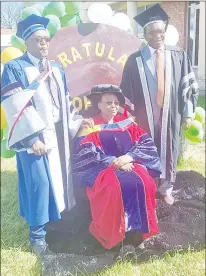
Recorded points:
(28, 11)
(55, 8)
(6, 131)
(72, 8)
(200, 114)
(5, 153)
(18, 43)
(2, 134)
(196, 139)
(39, 7)
(68, 20)
(194, 129)
(54, 24)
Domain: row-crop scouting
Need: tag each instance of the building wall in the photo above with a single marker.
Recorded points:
(201, 58)
(6, 37)
(177, 12)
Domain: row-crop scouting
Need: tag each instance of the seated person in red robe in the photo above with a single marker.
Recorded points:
(117, 162)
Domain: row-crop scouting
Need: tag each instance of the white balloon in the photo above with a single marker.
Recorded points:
(171, 36)
(99, 13)
(121, 20)
(130, 30)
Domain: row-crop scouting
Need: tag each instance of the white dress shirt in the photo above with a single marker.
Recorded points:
(188, 108)
(35, 60)
(154, 55)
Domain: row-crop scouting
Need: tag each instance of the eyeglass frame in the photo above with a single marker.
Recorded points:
(39, 40)
(109, 103)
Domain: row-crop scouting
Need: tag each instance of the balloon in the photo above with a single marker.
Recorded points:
(28, 11)
(171, 36)
(1, 134)
(18, 43)
(6, 131)
(130, 30)
(121, 20)
(72, 8)
(196, 139)
(39, 7)
(194, 128)
(55, 8)
(100, 13)
(6, 153)
(200, 114)
(3, 119)
(193, 116)
(54, 24)
(10, 53)
(68, 20)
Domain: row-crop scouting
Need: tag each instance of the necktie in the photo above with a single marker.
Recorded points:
(41, 66)
(160, 78)
(52, 86)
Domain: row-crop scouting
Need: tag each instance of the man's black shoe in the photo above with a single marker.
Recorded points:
(41, 250)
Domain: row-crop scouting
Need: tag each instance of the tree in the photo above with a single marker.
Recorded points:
(11, 14)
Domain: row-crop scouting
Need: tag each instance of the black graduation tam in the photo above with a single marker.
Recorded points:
(30, 25)
(98, 90)
(153, 14)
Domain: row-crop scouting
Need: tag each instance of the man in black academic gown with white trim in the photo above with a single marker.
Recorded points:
(161, 93)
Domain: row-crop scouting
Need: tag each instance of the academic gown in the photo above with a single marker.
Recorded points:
(120, 201)
(44, 182)
(139, 86)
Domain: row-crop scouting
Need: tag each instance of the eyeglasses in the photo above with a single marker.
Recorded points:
(41, 39)
(154, 33)
(110, 103)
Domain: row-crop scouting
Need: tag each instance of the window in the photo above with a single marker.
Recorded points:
(193, 32)
(140, 30)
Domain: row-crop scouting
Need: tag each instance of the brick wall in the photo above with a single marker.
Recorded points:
(177, 12)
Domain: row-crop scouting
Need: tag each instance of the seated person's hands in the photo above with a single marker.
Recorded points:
(121, 161)
(127, 167)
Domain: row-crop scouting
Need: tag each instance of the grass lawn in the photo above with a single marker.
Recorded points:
(16, 259)
(201, 101)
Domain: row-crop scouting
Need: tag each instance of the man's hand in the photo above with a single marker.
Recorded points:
(87, 123)
(128, 167)
(121, 161)
(186, 122)
(39, 148)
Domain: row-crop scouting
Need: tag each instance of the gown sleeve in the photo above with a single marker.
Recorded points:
(89, 160)
(128, 84)
(75, 120)
(11, 76)
(189, 87)
(144, 151)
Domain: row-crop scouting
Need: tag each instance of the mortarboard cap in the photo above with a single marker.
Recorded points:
(153, 14)
(98, 90)
(30, 25)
